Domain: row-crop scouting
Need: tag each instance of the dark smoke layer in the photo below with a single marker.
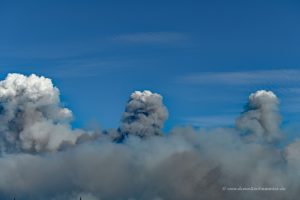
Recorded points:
(42, 157)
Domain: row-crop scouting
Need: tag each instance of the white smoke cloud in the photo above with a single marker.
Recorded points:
(187, 163)
(261, 119)
(32, 118)
(144, 114)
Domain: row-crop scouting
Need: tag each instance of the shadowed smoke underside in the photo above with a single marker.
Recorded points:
(43, 157)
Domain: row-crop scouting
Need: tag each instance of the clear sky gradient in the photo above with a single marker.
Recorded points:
(204, 57)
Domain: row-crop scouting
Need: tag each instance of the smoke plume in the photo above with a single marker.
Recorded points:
(43, 158)
(261, 119)
(32, 118)
(144, 114)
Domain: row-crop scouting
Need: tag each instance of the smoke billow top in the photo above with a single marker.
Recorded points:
(144, 114)
(32, 118)
(43, 157)
(261, 118)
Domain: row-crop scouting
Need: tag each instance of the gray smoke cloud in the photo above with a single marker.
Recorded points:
(31, 116)
(144, 114)
(186, 163)
(261, 119)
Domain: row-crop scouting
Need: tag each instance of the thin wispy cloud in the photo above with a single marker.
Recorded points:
(152, 38)
(279, 76)
(87, 68)
(53, 50)
(73, 68)
(210, 121)
(295, 91)
(284, 81)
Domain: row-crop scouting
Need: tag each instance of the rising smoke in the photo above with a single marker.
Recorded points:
(32, 118)
(186, 163)
(260, 120)
(144, 115)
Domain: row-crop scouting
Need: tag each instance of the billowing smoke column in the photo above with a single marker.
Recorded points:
(187, 163)
(261, 120)
(144, 114)
(32, 118)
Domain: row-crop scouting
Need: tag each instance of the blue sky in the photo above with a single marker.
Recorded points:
(204, 57)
